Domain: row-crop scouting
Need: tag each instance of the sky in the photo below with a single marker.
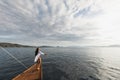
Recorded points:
(60, 22)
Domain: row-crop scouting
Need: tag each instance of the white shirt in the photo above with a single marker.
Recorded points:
(38, 55)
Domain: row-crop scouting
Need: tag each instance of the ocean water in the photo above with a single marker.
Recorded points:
(90, 63)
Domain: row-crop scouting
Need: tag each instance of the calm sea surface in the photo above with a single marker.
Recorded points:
(65, 63)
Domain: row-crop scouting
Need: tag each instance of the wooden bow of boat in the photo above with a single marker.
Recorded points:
(31, 73)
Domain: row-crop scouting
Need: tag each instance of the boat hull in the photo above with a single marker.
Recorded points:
(32, 73)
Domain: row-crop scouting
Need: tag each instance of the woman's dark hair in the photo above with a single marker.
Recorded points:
(36, 51)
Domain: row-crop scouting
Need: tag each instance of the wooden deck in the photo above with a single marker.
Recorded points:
(31, 73)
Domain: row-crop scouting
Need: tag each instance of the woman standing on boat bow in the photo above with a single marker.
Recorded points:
(38, 54)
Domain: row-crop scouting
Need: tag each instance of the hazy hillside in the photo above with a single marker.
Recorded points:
(13, 45)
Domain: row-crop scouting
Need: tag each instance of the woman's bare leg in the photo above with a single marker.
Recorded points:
(38, 62)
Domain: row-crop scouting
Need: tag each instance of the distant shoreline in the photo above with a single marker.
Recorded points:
(2, 44)
(5, 44)
(13, 45)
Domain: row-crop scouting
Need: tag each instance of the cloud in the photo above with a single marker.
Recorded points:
(49, 21)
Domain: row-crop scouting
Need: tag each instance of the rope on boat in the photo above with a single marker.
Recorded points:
(13, 57)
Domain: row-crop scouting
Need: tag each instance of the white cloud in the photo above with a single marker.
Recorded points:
(64, 21)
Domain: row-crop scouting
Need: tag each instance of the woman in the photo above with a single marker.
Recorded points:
(38, 54)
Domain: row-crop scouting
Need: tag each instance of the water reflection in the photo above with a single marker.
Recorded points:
(65, 63)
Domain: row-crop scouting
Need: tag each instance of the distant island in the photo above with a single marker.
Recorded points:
(13, 45)
(2, 44)
(5, 44)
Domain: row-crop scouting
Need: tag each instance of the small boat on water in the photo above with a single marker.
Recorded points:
(31, 73)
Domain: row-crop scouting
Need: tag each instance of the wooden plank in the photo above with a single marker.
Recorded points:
(31, 73)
